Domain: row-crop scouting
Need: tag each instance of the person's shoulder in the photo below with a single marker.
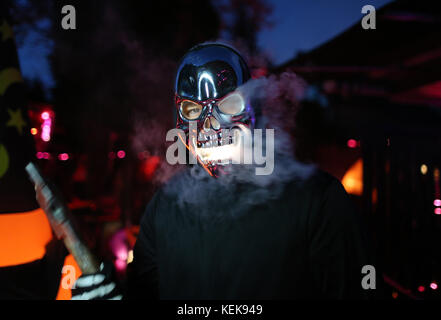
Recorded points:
(168, 191)
(331, 199)
(317, 181)
(323, 178)
(317, 191)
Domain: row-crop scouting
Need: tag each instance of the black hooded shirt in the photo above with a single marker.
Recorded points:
(306, 241)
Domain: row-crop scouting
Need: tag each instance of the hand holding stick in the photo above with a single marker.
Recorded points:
(61, 220)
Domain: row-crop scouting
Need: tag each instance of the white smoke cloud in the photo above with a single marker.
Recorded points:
(234, 192)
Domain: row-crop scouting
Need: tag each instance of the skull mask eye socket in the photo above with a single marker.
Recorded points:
(190, 110)
(232, 105)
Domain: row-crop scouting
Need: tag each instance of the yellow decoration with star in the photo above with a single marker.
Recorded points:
(4, 160)
(6, 31)
(16, 120)
(9, 76)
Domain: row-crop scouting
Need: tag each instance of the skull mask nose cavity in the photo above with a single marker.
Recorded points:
(207, 124)
(214, 123)
(211, 123)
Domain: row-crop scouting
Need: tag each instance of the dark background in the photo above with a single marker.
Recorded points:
(374, 97)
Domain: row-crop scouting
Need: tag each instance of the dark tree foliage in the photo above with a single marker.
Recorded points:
(243, 21)
(114, 74)
(120, 61)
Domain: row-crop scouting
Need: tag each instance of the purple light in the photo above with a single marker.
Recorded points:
(121, 154)
(46, 130)
(122, 254)
(63, 156)
(46, 137)
(118, 245)
(45, 115)
(437, 203)
(120, 265)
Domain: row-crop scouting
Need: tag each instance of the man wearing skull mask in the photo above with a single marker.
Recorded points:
(217, 234)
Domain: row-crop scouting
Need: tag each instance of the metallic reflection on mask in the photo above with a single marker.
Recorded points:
(206, 92)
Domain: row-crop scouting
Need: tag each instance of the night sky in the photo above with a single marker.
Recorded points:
(297, 25)
(306, 24)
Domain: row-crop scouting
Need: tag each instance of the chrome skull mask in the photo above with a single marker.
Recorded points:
(208, 99)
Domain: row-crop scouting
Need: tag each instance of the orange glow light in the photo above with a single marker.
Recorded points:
(353, 179)
(23, 237)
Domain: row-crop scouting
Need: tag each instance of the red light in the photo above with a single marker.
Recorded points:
(434, 286)
(39, 155)
(437, 203)
(45, 155)
(421, 289)
(352, 143)
(63, 156)
(437, 211)
(45, 115)
(34, 131)
(150, 165)
(121, 154)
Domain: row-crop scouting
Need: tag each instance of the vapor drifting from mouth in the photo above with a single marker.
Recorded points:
(275, 98)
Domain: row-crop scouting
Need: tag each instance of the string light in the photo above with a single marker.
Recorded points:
(63, 156)
(45, 115)
(46, 126)
(352, 143)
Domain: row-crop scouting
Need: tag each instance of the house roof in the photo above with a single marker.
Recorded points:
(400, 60)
